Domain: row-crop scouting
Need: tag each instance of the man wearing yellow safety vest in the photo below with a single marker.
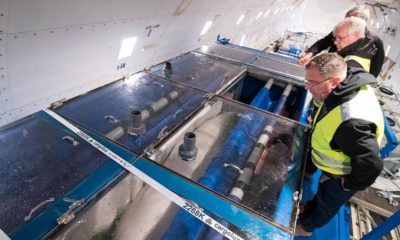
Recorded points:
(346, 134)
(353, 40)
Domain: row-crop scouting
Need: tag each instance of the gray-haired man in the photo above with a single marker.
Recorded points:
(372, 48)
(346, 133)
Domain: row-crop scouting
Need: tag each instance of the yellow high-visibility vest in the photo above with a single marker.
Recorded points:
(363, 106)
(364, 62)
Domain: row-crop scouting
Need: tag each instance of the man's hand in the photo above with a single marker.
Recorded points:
(304, 59)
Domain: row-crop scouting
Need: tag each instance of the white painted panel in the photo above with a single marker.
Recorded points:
(187, 7)
(182, 34)
(48, 62)
(45, 14)
(4, 120)
(4, 6)
(5, 100)
(322, 15)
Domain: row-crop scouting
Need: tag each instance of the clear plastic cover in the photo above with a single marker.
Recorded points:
(260, 53)
(199, 71)
(39, 164)
(289, 69)
(229, 53)
(264, 61)
(250, 156)
(135, 112)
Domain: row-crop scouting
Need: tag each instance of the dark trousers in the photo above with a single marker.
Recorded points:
(323, 207)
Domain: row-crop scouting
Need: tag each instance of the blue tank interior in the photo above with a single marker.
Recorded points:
(251, 86)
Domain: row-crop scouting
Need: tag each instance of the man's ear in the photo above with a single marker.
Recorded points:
(336, 81)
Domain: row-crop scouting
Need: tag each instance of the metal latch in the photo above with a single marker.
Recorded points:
(69, 215)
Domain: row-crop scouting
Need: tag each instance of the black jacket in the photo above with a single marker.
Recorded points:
(371, 48)
(356, 138)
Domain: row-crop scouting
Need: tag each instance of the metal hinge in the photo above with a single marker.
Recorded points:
(69, 215)
(57, 104)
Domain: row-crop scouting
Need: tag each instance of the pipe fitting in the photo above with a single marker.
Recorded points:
(188, 149)
(167, 70)
(137, 125)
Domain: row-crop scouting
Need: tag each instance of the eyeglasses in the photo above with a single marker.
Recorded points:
(313, 83)
(340, 38)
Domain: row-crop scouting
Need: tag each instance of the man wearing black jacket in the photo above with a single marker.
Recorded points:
(347, 131)
(373, 44)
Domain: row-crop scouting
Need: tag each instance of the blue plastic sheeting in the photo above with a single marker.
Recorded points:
(262, 100)
(233, 151)
(200, 71)
(284, 214)
(217, 177)
(122, 97)
(305, 111)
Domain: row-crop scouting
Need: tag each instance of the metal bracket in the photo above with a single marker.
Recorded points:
(208, 96)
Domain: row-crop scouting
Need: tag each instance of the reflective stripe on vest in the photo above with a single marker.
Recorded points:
(363, 106)
(364, 62)
(343, 167)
